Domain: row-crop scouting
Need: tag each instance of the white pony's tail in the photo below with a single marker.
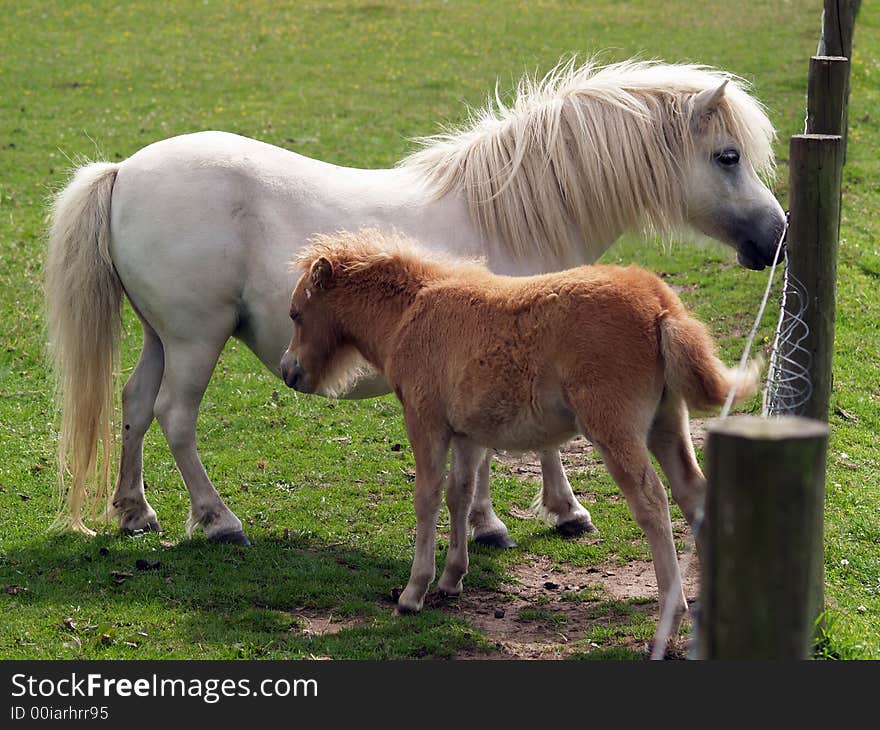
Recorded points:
(83, 297)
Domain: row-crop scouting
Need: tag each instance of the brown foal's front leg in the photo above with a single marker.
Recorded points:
(430, 446)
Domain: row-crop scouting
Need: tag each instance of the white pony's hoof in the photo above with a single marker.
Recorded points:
(139, 524)
(576, 527)
(453, 591)
(235, 537)
(497, 538)
(409, 602)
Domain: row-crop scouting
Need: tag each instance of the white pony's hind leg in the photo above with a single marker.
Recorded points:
(488, 529)
(138, 398)
(556, 503)
(188, 368)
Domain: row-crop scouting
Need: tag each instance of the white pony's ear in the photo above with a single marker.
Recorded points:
(705, 104)
(321, 273)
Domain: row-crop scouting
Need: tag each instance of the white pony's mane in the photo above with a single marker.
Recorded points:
(588, 148)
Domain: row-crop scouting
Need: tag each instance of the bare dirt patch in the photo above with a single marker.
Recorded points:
(316, 623)
(547, 611)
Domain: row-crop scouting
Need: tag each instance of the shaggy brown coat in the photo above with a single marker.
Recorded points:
(516, 363)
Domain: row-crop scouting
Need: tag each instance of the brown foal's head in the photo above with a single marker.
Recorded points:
(317, 338)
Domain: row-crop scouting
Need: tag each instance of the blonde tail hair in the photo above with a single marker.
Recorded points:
(83, 298)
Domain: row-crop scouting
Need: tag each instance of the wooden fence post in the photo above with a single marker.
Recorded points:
(838, 21)
(762, 561)
(838, 24)
(815, 177)
(827, 94)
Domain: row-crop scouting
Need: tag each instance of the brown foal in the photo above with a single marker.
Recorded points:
(518, 363)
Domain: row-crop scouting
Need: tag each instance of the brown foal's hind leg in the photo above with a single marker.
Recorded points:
(631, 468)
(622, 442)
(138, 398)
(466, 458)
(670, 441)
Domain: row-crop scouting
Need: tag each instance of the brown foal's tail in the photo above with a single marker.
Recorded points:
(83, 298)
(692, 366)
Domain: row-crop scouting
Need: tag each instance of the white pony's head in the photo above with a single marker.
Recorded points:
(588, 152)
(724, 195)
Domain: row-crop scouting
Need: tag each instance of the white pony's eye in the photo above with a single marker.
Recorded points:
(727, 158)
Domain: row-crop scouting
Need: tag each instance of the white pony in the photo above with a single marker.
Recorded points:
(198, 230)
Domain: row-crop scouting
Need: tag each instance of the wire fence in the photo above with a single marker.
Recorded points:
(789, 386)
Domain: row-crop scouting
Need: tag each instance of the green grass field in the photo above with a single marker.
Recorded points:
(324, 489)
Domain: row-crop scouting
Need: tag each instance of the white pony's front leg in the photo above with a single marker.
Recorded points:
(556, 503)
(466, 459)
(488, 529)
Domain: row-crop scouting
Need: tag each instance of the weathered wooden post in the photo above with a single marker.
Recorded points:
(838, 21)
(762, 558)
(827, 99)
(815, 177)
(827, 94)
(838, 24)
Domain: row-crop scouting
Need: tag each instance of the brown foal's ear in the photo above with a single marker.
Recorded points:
(321, 273)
